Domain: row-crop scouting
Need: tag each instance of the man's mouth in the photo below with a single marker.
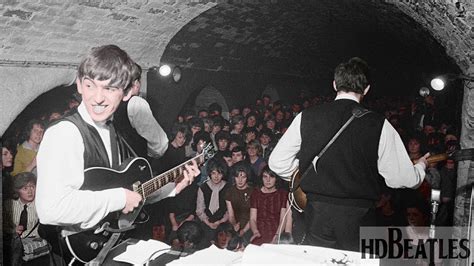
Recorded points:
(98, 109)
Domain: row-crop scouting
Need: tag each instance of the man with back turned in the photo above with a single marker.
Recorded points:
(350, 174)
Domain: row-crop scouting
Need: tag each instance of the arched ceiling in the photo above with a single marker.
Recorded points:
(42, 41)
(308, 39)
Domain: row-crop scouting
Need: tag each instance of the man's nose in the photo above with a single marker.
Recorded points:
(99, 96)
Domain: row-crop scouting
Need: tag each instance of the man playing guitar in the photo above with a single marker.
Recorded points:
(84, 140)
(344, 184)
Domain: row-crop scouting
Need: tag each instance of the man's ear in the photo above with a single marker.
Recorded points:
(366, 90)
(128, 95)
(79, 85)
(334, 85)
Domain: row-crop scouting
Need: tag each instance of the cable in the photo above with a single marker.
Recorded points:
(153, 254)
(280, 228)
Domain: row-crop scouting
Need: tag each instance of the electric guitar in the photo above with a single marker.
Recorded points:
(134, 174)
(298, 196)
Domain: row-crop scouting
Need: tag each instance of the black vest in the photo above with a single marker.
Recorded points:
(95, 154)
(130, 134)
(347, 171)
(207, 192)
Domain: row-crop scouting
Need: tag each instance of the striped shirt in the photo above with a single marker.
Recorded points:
(13, 209)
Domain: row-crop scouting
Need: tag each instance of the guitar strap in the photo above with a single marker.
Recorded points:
(357, 112)
(99, 260)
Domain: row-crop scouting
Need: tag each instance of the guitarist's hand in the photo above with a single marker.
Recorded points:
(190, 173)
(132, 199)
(424, 159)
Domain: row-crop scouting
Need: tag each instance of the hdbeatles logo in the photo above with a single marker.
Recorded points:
(412, 243)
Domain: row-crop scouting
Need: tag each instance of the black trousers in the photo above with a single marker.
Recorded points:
(336, 226)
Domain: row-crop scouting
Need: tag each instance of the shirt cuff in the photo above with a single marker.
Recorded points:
(119, 199)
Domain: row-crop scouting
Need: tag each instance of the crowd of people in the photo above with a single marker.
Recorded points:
(237, 199)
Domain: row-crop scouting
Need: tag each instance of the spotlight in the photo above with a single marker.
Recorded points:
(424, 91)
(437, 84)
(165, 70)
(440, 82)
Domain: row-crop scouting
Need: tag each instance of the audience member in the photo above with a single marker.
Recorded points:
(254, 152)
(267, 209)
(7, 166)
(238, 154)
(20, 212)
(238, 200)
(266, 142)
(211, 208)
(25, 158)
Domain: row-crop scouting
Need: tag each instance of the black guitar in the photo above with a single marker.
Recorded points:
(134, 174)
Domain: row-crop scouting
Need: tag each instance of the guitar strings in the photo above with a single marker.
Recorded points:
(150, 186)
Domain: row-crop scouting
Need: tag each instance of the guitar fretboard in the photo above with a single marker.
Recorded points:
(161, 180)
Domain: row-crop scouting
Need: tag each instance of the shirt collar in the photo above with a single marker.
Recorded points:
(216, 186)
(347, 96)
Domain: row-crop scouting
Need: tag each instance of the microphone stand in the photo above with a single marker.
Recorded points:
(435, 200)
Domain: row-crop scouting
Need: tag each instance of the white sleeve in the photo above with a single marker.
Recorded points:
(283, 159)
(60, 175)
(394, 164)
(141, 118)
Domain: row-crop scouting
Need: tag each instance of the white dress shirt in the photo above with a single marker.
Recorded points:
(61, 173)
(393, 161)
(142, 120)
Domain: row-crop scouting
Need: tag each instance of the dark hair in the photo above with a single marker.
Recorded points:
(218, 165)
(235, 242)
(222, 135)
(417, 201)
(218, 121)
(177, 127)
(215, 107)
(201, 135)
(239, 149)
(20, 180)
(107, 62)
(266, 169)
(29, 127)
(241, 166)
(136, 72)
(250, 130)
(190, 232)
(266, 95)
(224, 227)
(237, 138)
(422, 140)
(195, 122)
(352, 76)
(266, 131)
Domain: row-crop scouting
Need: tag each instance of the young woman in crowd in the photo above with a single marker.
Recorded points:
(267, 209)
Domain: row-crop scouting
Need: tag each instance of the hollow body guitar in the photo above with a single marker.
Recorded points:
(299, 196)
(136, 175)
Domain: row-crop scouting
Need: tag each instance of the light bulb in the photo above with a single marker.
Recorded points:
(165, 70)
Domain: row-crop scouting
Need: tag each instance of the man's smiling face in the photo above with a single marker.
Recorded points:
(100, 99)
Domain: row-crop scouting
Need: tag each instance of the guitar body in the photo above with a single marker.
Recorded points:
(299, 196)
(86, 245)
(134, 174)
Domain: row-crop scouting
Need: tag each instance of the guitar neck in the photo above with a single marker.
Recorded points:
(435, 158)
(163, 179)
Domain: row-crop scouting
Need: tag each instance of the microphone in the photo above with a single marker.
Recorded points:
(435, 199)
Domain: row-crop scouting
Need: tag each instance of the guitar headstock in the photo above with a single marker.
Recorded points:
(208, 151)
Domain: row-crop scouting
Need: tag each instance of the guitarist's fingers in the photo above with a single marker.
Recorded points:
(189, 174)
(132, 200)
(424, 159)
(192, 169)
